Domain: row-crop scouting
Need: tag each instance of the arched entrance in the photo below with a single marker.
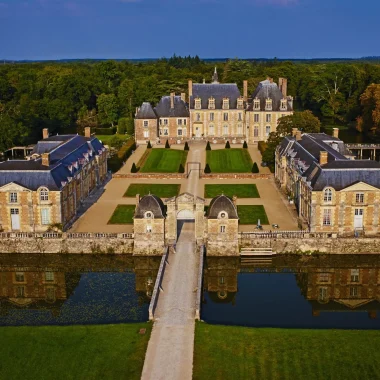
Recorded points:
(185, 217)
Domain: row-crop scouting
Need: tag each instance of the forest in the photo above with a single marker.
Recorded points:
(67, 96)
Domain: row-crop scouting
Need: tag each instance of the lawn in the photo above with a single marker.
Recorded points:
(162, 191)
(164, 161)
(105, 139)
(241, 191)
(73, 352)
(250, 214)
(230, 352)
(123, 214)
(229, 161)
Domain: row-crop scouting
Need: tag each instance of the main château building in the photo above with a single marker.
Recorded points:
(215, 111)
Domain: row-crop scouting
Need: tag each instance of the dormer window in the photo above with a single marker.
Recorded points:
(256, 104)
(148, 215)
(70, 167)
(223, 215)
(75, 164)
(211, 103)
(226, 103)
(44, 194)
(197, 105)
(240, 103)
(284, 105)
(268, 105)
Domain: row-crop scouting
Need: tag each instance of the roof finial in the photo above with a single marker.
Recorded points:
(215, 76)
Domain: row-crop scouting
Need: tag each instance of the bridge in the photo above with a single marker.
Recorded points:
(366, 148)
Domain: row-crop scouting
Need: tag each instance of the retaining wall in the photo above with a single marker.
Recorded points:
(235, 176)
(151, 175)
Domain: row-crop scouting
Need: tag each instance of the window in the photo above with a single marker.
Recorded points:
(184, 131)
(44, 194)
(12, 197)
(166, 132)
(211, 131)
(256, 104)
(223, 215)
(221, 280)
(148, 215)
(322, 296)
(211, 103)
(268, 118)
(165, 121)
(197, 105)
(20, 291)
(50, 294)
(49, 276)
(327, 217)
(240, 104)
(256, 117)
(327, 197)
(225, 116)
(283, 106)
(211, 116)
(226, 104)
(354, 275)
(240, 117)
(256, 131)
(360, 198)
(198, 116)
(354, 291)
(146, 123)
(179, 121)
(324, 277)
(45, 216)
(268, 105)
(146, 134)
(225, 130)
(148, 228)
(267, 130)
(179, 132)
(222, 229)
(20, 277)
(239, 129)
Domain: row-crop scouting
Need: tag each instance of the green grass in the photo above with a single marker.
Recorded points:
(230, 352)
(73, 352)
(250, 214)
(164, 161)
(229, 161)
(106, 138)
(241, 191)
(162, 191)
(123, 214)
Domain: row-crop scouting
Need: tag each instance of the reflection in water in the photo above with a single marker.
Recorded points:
(333, 291)
(75, 289)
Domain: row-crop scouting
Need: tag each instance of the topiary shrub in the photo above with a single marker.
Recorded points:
(149, 146)
(208, 146)
(227, 145)
(134, 168)
(255, 168)
(207, 169)
(245, 145)
(181, 169)
(186, 146)
(167, 146)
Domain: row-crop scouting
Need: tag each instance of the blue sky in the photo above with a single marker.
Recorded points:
(55, 29)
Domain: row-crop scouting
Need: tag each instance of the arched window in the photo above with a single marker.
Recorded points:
(223, 215)
(44, 194)
(148, 215)
(327, 197)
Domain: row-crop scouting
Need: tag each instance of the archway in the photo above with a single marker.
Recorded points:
(185, 216)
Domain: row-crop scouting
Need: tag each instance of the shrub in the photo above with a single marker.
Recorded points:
(134, 168)
(227, 145)
(105, 131)
(245, 145)
(181, 169)
(186, 146)
(167, 146)
(116, 142)
(207, 169)
(255, 168)
(262, 146)
(115, 163)
(208, 146)
(149, 146)
(122, 126)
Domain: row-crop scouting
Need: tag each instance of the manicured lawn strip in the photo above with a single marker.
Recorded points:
(229, 161)
(162, 191)
(73, 352)
(231, 352)
(105, 139)
(123, 214)
(164, 161)
(241, 191)
(250, 214)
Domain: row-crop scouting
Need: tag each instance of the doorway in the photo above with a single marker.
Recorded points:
(185, 221)
(358, 218)
(15, 219)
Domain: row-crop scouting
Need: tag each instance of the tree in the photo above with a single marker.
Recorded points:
(304, 121)
(370, 102)
(227, 145)
(255, 168)
(245, 145)
(86, 118)
(181, 169)
(122, 126)
(107, 109)
(207, 169)
(208, 146)
(167, 146)
(149, 146)
(134, 168)
(116, 142)
(186, 146)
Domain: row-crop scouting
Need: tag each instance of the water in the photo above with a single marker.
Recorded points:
(294, 291)
(75, 289)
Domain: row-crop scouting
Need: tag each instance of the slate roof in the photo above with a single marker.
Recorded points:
(163, 108)
(150, 203)
(216, 90)
(146, 112)
(222, 203)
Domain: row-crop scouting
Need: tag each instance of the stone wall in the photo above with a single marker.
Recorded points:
(151, 175)
(236, 176)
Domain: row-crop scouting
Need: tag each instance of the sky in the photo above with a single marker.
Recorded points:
(67, 29)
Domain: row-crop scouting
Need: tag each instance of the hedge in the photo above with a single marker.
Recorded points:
(116, 162)
(262, 146)
(105, 131)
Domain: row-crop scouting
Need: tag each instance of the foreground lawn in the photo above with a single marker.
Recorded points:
(250, 214)
(241, 191)
(123, 214)
(162, 191)
(164, 161)
(73, 352)
(229, 161)
(230, 352)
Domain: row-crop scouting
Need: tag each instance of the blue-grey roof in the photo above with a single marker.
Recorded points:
(222, 203)
(146, 112)
(163, 108)
(150, 203)
(216, 90)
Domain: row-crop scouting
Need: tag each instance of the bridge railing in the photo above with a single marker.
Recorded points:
(284, 235)
(64, 235)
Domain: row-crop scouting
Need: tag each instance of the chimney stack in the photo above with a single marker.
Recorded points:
(323, 156)
(172, 95)
(245, 90)
(298, 135)
(45, 159)
(190, 89)
(183, 96)
(283, 85)
(294, 132)
(336, 133)
(45, 133)
(87, 132)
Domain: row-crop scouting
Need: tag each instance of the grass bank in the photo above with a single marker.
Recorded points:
(231, 352)
(73, 352)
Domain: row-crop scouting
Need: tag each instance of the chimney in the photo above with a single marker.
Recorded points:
(294, 132)
(234, 199)
(283, 85)
(336, 133)
(323, 155)
(45, 159)
(172, 95)
(183, 96)
(45, 133)
(137, 199)
(190, 88)
(87, 132)
(245, 90)
(298, 135)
